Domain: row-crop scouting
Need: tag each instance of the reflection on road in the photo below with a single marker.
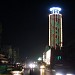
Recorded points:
(45, 72)
(42, 71)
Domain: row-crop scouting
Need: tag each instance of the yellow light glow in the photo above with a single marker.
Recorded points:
(42, 66)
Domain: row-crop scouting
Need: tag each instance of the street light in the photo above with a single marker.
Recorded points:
(40, 58)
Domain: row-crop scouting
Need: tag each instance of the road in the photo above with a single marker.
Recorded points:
(36, 72)
(31, 72)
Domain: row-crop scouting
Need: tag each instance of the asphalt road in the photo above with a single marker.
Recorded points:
(36, 72)
(31, 72)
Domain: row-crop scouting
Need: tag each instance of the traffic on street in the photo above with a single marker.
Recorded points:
(33, 69)
(18, 69)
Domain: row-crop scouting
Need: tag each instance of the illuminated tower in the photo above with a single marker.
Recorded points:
(55, 28)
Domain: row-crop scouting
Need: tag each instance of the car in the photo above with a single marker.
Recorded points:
(17, 69)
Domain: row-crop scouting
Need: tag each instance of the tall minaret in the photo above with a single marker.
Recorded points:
(55, 28)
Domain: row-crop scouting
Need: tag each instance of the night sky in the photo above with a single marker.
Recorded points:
(25, 24)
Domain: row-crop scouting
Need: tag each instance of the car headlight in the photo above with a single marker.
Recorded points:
(32, 65)
(59, 74)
